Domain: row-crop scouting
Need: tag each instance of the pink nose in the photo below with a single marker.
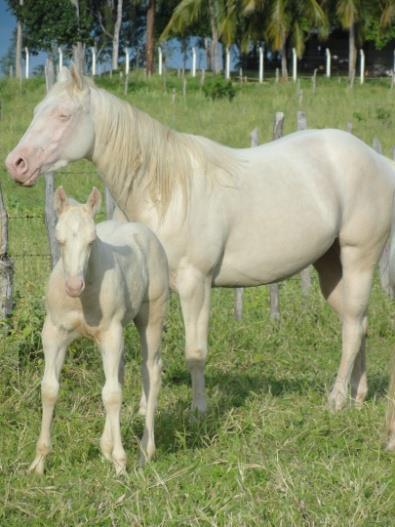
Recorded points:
(17, 166)
(74, 286)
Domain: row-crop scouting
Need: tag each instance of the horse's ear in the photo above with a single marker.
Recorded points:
(94, 201)
(60, 201)
(64, 75)
(78, 80)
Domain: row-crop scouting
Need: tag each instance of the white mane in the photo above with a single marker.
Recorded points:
(136, 150)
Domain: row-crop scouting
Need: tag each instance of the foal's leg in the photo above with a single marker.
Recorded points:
(55, 341)
(194, 289)
(111, 346)
(149, 323)
(106, 443)
(332, 286)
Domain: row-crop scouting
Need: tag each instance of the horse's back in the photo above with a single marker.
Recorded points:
(303, 191)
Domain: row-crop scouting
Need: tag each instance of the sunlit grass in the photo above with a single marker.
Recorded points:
(268, 451)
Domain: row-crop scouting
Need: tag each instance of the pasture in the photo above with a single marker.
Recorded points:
(268, 452)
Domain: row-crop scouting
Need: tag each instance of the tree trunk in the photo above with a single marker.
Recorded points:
(284, 66)
(214, 36)
(207, 48)
(352, 52)
(149, 62)
(18, 48)
(6, 267)
(79, 57)
(115, 41)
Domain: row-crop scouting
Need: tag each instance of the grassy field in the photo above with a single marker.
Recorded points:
(268, 451)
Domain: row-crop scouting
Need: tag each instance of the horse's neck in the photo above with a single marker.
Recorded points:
(119, 163)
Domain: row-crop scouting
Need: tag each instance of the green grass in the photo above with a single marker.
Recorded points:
(268, 452)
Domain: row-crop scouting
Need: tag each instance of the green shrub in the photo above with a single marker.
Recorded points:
(219, 88)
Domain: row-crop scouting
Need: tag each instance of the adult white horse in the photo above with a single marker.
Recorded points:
(229, 217)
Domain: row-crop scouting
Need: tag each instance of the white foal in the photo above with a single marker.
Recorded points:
(108, 274)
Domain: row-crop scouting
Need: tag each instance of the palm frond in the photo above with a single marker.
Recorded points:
(185, 14)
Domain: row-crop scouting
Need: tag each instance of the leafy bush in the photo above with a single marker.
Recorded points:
(219, 89)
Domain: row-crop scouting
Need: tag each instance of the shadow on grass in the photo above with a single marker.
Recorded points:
(178, 429)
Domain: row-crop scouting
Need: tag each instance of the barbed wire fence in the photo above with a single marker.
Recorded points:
(31, 242)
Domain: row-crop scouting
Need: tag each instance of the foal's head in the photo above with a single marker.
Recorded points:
(61, 131)
(75, 233)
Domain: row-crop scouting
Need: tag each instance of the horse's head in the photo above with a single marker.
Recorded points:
(61, 130)
(75, 233)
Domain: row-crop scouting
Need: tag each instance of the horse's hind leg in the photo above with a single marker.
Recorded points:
(149, 323)
(332, 285)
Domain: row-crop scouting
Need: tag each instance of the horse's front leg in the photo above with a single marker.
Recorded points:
(111, 347)
(55, 341)
(194, 289)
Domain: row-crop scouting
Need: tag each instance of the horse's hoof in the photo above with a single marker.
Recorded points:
(336, 403)
(37, 467)
(120, 467)
(391, 444)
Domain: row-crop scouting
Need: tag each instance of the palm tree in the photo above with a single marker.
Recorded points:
(349, 12)
(288, 21)
(149, 62)
(188, 12)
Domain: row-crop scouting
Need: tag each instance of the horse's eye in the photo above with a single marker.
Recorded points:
(64, 116)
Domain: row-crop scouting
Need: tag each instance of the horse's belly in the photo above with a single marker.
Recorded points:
(264, 258)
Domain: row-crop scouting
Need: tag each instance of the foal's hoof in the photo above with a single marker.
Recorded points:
(37, 466)
(391, 444)
(120, 467)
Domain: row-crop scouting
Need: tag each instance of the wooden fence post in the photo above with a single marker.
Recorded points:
(6, 266)
(110, 205)
(294, 65)
(328, 63)
(377, 145)
(193, 62)
(261, 62)
(278, 127)
(239, 291)
(362, 66)
(160, 61)
(50, 215)
(305, 275)
(227, 63)
(27, 63)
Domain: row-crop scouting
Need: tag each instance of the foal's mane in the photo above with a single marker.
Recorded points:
(139, 152)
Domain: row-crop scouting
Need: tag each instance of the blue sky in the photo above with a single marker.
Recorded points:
(7, 26)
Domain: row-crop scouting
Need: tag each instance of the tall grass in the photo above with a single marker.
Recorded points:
(268, 451)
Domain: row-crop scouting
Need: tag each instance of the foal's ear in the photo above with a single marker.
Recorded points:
(94, 201)
(60, 201)
(78, 80)
(63, 75)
